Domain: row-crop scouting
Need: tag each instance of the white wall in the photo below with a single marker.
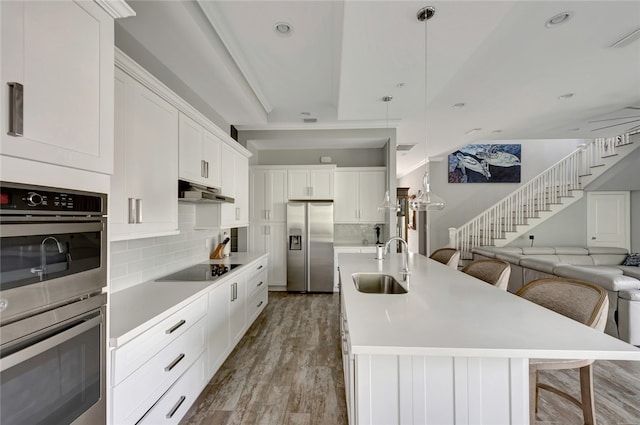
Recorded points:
(140, 260)
(340, 157)
(465, 201)
(635, 221)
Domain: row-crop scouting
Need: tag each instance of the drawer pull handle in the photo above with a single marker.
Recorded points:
(175, 408)
(174, 363)
(258, 306)
(175, 327)
(260, 266)
(260, 284)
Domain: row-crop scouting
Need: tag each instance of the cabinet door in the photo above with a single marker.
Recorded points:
(258, 195)
(277, 254)
(298, 184)
(218, 322)
(242, 190)
(321, 182)
(345, 205)
(147, 128)
(371, 189)
(238, 314)
(276, 205)
(228, 179)
(62, 54)
(191, 147)
(211, 152)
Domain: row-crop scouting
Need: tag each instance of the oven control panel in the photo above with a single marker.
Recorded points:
(17, 197)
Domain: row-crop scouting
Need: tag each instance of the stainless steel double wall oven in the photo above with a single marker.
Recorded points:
(53, 266)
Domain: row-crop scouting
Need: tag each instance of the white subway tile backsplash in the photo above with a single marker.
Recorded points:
(140, 260)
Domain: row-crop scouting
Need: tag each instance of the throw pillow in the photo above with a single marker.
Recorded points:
(632, 260)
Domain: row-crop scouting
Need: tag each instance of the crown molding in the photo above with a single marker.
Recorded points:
(116, 8)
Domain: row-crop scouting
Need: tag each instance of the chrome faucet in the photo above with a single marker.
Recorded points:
(405, 255)
(42, 270)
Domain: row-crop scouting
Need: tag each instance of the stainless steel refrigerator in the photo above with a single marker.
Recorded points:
(310, 246)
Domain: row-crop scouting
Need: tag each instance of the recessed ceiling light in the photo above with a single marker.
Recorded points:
(283, 29)
(306, 114)
(459, 105)
(473, 130)
(565, 96)
(497, 131)
(558, 19)
(400, 85)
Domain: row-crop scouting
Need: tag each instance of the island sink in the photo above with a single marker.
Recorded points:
(377, 283)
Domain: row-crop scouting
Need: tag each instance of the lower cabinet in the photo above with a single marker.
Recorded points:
(158, 375)
(272, 238)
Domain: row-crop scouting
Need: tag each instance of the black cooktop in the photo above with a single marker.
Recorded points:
(199, 272)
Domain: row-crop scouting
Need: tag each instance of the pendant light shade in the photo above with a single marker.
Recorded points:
(386, 203)
(426, 200)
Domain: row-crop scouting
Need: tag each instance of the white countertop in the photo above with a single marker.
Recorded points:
(136, 309)
(353, 245)
(448, 313)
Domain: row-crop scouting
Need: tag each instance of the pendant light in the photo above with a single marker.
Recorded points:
(386, 203)
(426, 200)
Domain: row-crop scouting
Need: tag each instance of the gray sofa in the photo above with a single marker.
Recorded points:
(599, 265)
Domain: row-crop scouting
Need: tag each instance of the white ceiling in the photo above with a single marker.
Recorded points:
(342, 57)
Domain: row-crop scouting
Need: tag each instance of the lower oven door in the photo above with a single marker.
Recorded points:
(57, 375)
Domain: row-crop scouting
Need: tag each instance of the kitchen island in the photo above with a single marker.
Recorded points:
(453, 349)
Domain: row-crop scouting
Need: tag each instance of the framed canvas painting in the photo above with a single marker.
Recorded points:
(485, 163)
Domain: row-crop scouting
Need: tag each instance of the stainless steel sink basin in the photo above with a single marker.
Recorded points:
(377, 283)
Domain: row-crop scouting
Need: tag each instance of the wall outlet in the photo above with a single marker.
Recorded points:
(207, 243)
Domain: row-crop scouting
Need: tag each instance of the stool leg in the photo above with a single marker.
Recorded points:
(586, 392)
(533, 394)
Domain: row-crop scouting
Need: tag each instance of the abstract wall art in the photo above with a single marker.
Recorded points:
(485, 163)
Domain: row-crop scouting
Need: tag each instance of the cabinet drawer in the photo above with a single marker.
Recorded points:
(176, 402)
(257, 283)
(142, 389)
(257, 268)
(134, 354)
(256, 304)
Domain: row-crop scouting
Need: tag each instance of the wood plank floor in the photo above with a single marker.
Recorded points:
(287, 370)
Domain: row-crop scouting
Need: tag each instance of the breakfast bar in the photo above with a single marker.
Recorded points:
(453, 349)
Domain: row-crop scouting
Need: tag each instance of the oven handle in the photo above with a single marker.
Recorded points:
(57, 336)
(35, 229)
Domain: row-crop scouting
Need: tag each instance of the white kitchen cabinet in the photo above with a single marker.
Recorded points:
(218, 320)
(147, 366)
(235, 183)
(268, 194)
(200, 154)
(358, 193)
(272, 238)
(144, 185)
(61, 52)
(304, 182)
(238, 308)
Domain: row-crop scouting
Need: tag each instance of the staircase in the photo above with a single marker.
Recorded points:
(544, 196)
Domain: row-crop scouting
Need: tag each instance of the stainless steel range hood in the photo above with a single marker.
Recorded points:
(192, 192)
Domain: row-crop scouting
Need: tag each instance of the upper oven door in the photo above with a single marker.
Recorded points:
(43, 264)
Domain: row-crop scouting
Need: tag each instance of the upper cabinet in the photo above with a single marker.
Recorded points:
(235, 183)
(268, 194)
(57, 75)
(315, 182)
(144, 185)
(358, 193)
(199, 153)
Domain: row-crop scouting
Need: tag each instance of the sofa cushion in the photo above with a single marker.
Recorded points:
(632, 260)
(538, 250)
(631, 295)
(571, 250)
(606, 279)
(509, 257)
(576, 259)
(606, 250)
(541, 264)
(632, 271)
(608, 259)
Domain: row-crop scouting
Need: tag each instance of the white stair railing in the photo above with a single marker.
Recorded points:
(536, 195)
